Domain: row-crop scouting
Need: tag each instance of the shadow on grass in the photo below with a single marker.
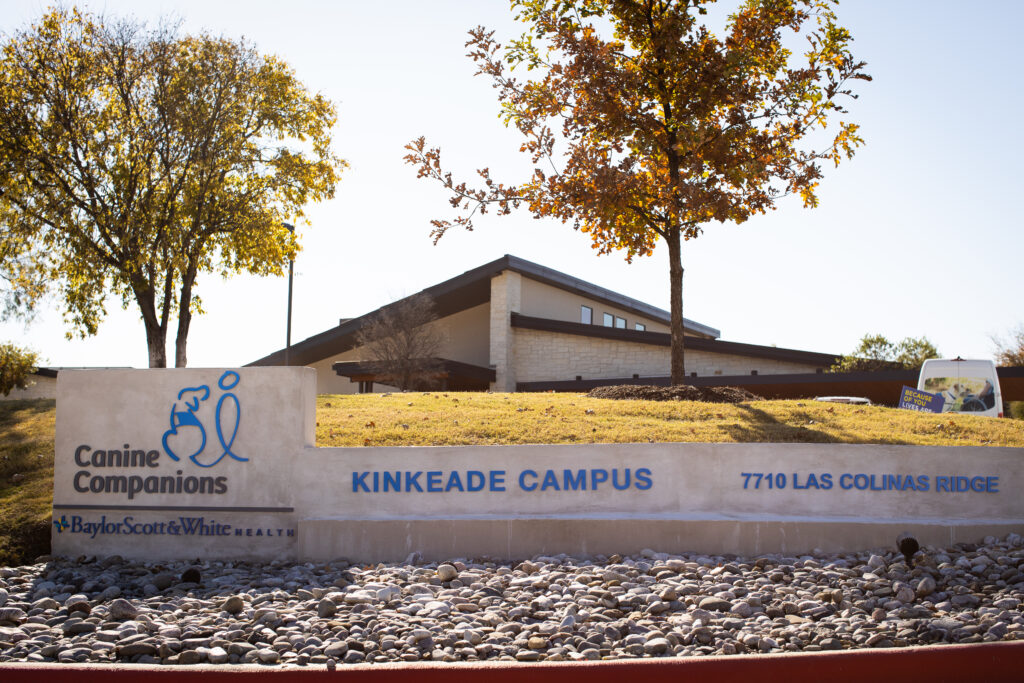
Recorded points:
(762, 427)
(13, 411)
(26, 443)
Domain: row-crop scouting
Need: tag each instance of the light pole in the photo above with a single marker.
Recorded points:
(288, 333)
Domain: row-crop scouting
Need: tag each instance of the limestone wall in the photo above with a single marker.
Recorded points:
(544, 301)
(552, 356)
(41, 387)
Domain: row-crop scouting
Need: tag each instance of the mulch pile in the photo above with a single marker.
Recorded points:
(676, 393)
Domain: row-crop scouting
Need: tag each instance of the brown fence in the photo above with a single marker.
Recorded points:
(880, 387)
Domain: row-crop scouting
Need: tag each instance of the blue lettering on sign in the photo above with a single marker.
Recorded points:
(860, 481)
(522, 480)
(227, 417)
(574, 481)
(474, 481)
(454, 482)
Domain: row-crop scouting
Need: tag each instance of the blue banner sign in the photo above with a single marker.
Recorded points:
(913, 399)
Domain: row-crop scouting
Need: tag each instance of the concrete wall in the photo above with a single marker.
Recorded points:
(41, 387)
(243, 440)
(679, 497)
(269, 420)
(551, 356)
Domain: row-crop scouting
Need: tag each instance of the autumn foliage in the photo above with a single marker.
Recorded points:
(643, 124)
(135, 160)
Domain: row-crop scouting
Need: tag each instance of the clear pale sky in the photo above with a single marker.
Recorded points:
(918, 235)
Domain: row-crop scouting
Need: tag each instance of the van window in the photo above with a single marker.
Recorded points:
(963, 394)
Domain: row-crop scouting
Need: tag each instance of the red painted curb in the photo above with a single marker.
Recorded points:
(989, 662)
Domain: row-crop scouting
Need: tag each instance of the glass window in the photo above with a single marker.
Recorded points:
(620, 322)
(609, 320)
(586, 315)
(641, 327)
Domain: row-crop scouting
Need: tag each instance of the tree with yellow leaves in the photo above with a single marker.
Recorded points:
(137, 160)
(644, 125)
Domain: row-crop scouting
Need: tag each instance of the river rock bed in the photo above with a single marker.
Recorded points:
(547, 608)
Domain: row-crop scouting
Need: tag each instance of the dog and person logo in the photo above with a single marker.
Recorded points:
(194, 420)
(228, 412)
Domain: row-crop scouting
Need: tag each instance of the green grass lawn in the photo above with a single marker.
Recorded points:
(443, 419)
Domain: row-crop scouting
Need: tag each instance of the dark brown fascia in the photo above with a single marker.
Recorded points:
(464, 291)
(452, 367)
(664, 339)
(881, 386)
(908, 377)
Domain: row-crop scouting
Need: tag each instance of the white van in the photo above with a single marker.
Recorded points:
(968, 386)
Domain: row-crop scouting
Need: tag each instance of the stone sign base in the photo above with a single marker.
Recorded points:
(365, 541)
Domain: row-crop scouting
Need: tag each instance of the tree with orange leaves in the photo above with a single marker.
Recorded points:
(642, 124)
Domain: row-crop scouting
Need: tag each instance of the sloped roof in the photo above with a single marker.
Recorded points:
(469, 289)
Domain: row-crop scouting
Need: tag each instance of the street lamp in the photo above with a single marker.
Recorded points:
(288, 333)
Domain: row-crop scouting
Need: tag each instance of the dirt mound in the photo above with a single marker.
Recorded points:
(676, 393)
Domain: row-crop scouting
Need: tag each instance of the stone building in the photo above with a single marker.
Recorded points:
(513, 325)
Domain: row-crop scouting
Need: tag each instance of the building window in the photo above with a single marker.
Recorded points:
(641, 327)
(620, 323)
(586, 315)
(609, 320)
(366, 387)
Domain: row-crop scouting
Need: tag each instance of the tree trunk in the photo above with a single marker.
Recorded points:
(181, 340)
(675, 278)
(184, 320)
(156, 334)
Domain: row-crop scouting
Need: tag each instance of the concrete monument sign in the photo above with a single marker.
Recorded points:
(180, 463)
(221, 463)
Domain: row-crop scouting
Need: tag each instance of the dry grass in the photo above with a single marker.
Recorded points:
(26, 455)
(440, 419)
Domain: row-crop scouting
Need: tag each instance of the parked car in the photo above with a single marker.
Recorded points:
(968, 386)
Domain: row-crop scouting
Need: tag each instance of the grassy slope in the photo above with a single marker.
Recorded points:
(26, 448)
(435, 419)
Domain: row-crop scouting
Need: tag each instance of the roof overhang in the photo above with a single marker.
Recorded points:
(467, 290)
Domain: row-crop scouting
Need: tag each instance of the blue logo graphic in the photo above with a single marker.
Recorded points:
(227, 417)
(61, 523)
